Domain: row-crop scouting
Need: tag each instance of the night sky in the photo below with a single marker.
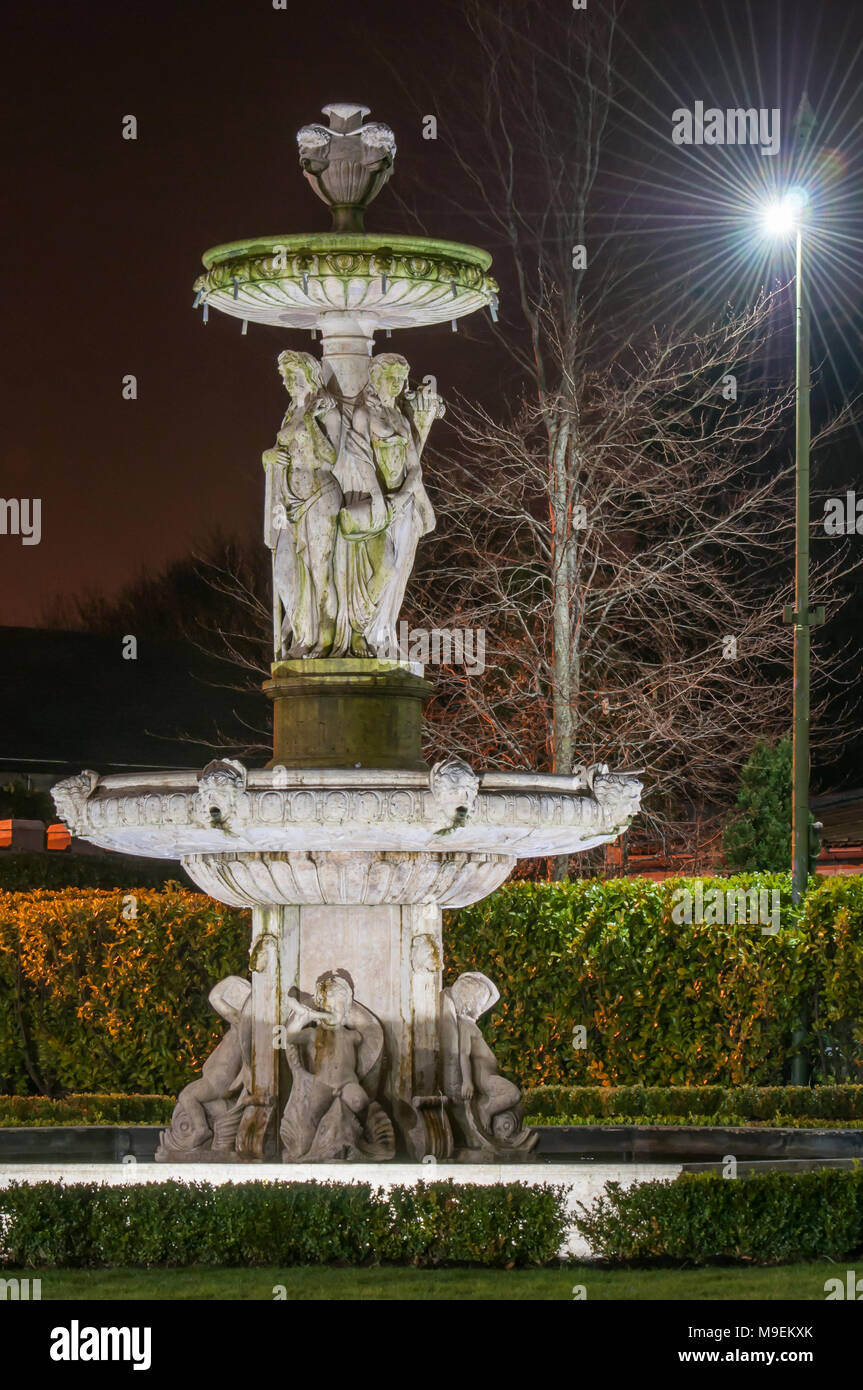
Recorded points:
(104, 236)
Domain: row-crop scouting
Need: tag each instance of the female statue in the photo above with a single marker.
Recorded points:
(385, 509)
(302, 511)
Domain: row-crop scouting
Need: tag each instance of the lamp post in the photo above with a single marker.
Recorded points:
(781, 218)
(801, 616)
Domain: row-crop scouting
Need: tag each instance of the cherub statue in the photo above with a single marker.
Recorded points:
(218, 1113)
(302, 511)
(486, 1107)
(334, 1046)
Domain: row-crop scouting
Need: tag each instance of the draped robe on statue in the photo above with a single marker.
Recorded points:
(385, 512)
(303, 511)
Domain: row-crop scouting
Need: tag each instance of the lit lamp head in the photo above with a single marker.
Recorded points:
(781, 217)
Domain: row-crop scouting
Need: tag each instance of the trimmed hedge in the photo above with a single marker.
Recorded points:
(662, 1002)
(701, 1218)
(107, 992)
(85, 1110)
(728, 1119)
(834, 923)
(95, 1000)
(604, 1103)
(20, 871)
(87, 1225)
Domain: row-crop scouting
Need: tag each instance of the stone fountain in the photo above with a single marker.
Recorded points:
(343, 1044)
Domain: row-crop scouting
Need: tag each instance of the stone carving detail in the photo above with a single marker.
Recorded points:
(386, 508)
(172, 815)
(425, 955)
(335, 1051)
(454, 786)
(619, 797)
(485, 1106)
(221, 786)
(335, 877)
(586, 776)
(70, 796)
(217, 1118)
(346, 508)
(348, 163)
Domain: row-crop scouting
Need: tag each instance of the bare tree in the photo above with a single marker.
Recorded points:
(666, 595)
(620, 530)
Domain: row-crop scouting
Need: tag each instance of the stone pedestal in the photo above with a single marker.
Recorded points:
(349, 712)
(393, 954)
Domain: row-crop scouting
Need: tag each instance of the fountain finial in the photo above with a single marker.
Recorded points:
(347, 163)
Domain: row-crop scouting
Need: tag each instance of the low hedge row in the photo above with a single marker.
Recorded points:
(87, 1225)
(787, 1106)
(85, 1110)
(606, 1103)
(20, 872)
(725, 1120)
(700, 1218)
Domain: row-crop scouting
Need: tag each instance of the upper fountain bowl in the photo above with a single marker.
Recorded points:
(315, 280)
(385, 281)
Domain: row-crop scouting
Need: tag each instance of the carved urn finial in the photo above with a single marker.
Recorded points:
(347, 163)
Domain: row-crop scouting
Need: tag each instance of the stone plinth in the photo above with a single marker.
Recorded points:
(347, 712)
(394, 955)
(378, 916)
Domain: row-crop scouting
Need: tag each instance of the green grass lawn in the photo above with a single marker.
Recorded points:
(799, 1281)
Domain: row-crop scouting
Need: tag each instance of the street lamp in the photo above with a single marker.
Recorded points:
(782, 218)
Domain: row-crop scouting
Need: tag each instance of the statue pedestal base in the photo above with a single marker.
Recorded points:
(349, 712)
(360, 1062)
(393, 954)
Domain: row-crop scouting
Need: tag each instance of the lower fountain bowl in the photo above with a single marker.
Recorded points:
(360, 878)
